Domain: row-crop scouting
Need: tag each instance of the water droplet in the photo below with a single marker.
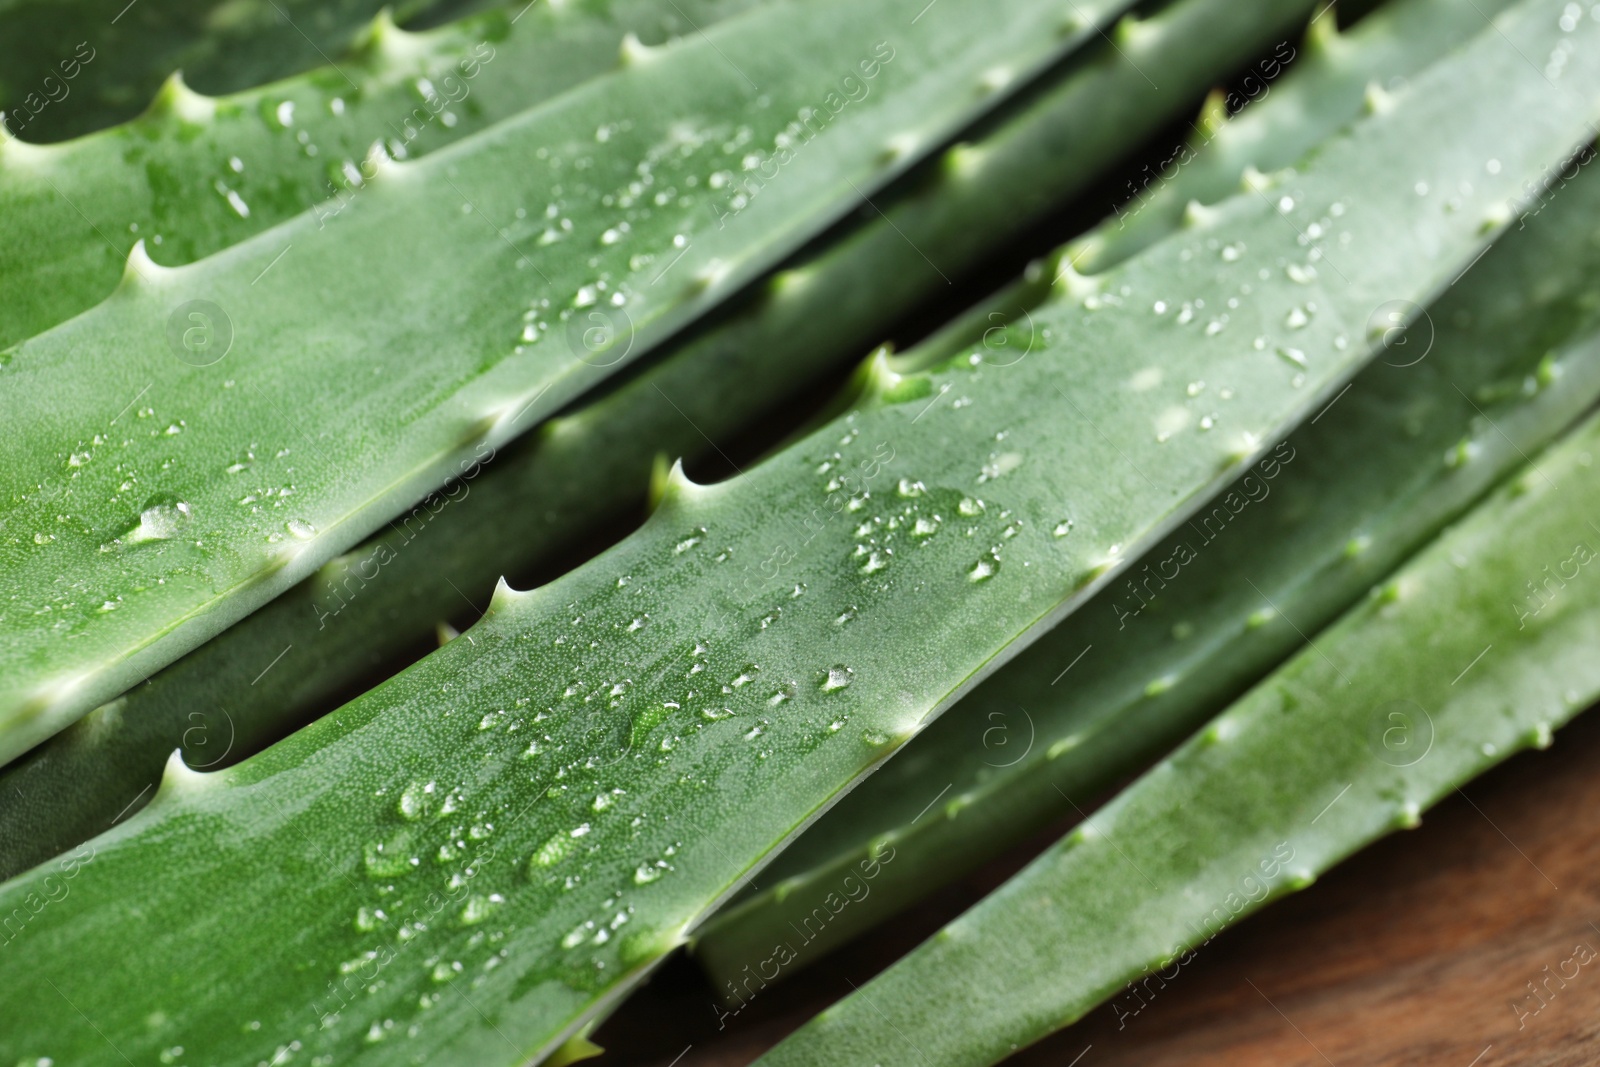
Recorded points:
(551, 852)
(160, 522)
(301, 529)
(838, 678)
(478, 908)
(1231, 252)
(909, 488)
(1062, 528)
(1293, 355)
(646, 873)
(387, 859)
(983, 570)
(415, 799)
(970, 508)
(876, 561)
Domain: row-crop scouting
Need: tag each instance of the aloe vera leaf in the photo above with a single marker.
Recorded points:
(193, 175)
(1401, 454)
(565, 789)
(1326, 88)
(69, 68)
(225, 484)
(1477, 647)
(222, 701)
(996, 764)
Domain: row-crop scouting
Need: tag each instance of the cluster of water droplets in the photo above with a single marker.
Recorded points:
(1214, 316)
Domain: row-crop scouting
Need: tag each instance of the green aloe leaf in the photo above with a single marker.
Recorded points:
(228, 697)
(194, 175)
(1477, 648)
(1327, 87)
(272, 405)
(470, 862)
(998, 766)
(67, 68)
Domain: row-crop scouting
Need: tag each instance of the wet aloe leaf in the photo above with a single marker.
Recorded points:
(1477, 648)
(1335, 78)
(516, 828)
(227, 698)
(1360, 498)
(195, 175)
(272, 405)
(67, 68)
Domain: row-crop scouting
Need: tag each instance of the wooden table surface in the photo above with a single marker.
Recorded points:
(1423, 949)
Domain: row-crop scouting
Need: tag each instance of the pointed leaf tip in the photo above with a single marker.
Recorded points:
(634, 52)
(382, 40)
(1072, 284)
(1213, 117)
(140, 269)
(576, 1048)
(1322, 35)
(1377, 100)
(1252, 180)
(176, 100)
(1197, 215)
(1132, 31)
(674, 487)
(179, 779)
(878, 376)
(504, 596)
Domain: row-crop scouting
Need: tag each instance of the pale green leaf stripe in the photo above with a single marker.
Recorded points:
(269, 672)
(552, 800)
(1057, 721)
(1477, 648)
(193, 175)
(452, 303)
